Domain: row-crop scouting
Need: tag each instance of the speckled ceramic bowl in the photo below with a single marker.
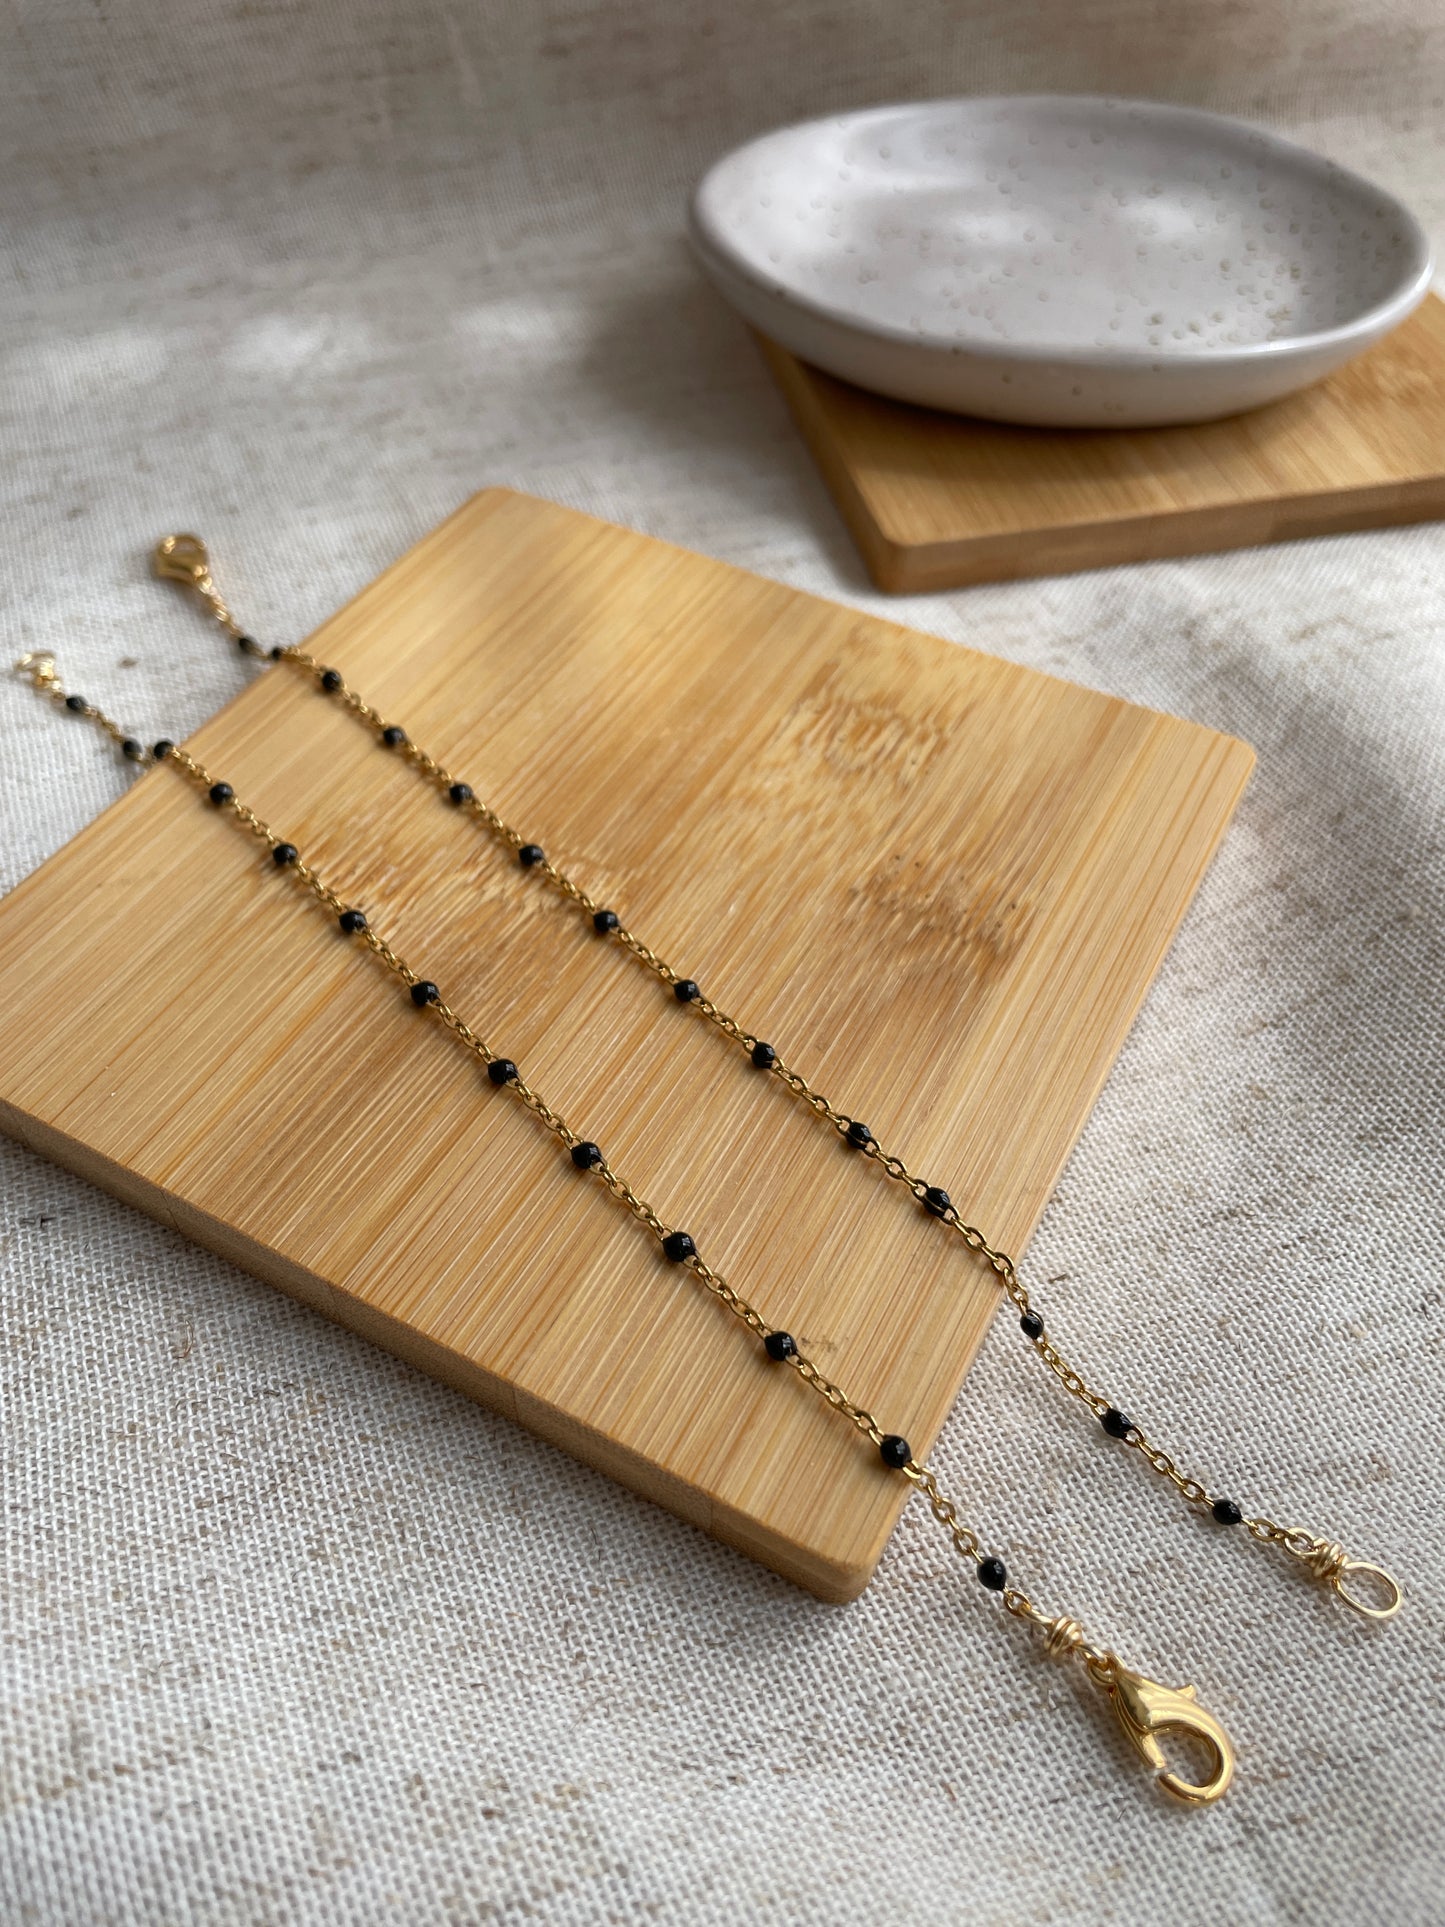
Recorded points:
(1060, 260)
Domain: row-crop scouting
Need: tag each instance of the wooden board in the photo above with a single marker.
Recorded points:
(935, 501)
(940, 882)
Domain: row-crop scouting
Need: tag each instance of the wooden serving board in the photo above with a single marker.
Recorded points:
(936, 501)
(940, 882)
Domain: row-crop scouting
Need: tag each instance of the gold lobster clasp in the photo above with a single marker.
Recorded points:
(183, 558)
(37, 666)
(1146, 1709)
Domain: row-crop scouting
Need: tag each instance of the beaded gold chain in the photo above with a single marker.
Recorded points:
(184, 559)
(1145, 1708)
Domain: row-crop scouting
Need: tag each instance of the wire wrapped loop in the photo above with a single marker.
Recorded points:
(1326, 1559)
(1381, 1595)
(1063, 1637)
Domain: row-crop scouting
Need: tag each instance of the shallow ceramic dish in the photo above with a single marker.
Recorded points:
(1060, 260)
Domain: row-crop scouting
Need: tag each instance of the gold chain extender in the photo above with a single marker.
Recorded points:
(1368, 1588)
(1145, 1708)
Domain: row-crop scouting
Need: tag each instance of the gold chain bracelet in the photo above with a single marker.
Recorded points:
(1145, 1708)
(185, 559)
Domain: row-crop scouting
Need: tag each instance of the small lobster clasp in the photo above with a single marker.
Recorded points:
(37, 666)
(182, 558)
(1146, 1709)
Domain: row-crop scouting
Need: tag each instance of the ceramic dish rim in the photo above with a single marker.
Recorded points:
(1414, 284)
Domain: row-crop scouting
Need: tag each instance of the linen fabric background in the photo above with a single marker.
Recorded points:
(291, 1635)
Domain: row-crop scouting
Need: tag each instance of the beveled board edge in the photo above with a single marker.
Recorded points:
(827, 1579)
(902, 567)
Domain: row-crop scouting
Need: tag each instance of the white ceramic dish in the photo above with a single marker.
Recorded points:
(1060, 260)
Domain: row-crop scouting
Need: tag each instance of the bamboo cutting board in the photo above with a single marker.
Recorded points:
(935, 501)
(940, 882)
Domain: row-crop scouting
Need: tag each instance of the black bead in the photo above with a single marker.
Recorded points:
(764, 1056)
(859, 1136)
(502, 1070)
(75, 702)
(604, 922)
(352, 921)
(780, 1345)
(530, 855)
(894, 1451)
(679, 1247)
(393, 736)
(425, 993)
(1226, 1512)
(275, 652)
(283, 854)
(221, 793)
(331, 680)
(686, 991)
(460, 793)
(248, 645)
(132, 749)
(993, 1574)
(587, 1156)
(937, 1200)
(1116, 1423)
(161, 750)
(1032, 1324)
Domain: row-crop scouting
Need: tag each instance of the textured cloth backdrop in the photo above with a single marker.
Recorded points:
(292, 1635)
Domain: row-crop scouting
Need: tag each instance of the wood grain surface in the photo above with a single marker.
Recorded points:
(935, 501)
(940, 882)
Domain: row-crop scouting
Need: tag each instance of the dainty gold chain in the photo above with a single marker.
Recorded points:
(184, 559)
(1144, 1707)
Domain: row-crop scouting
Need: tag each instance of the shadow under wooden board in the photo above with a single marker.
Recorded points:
(939, 882)
(938, 501)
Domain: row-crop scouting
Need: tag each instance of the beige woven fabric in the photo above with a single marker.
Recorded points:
(290, 1635)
